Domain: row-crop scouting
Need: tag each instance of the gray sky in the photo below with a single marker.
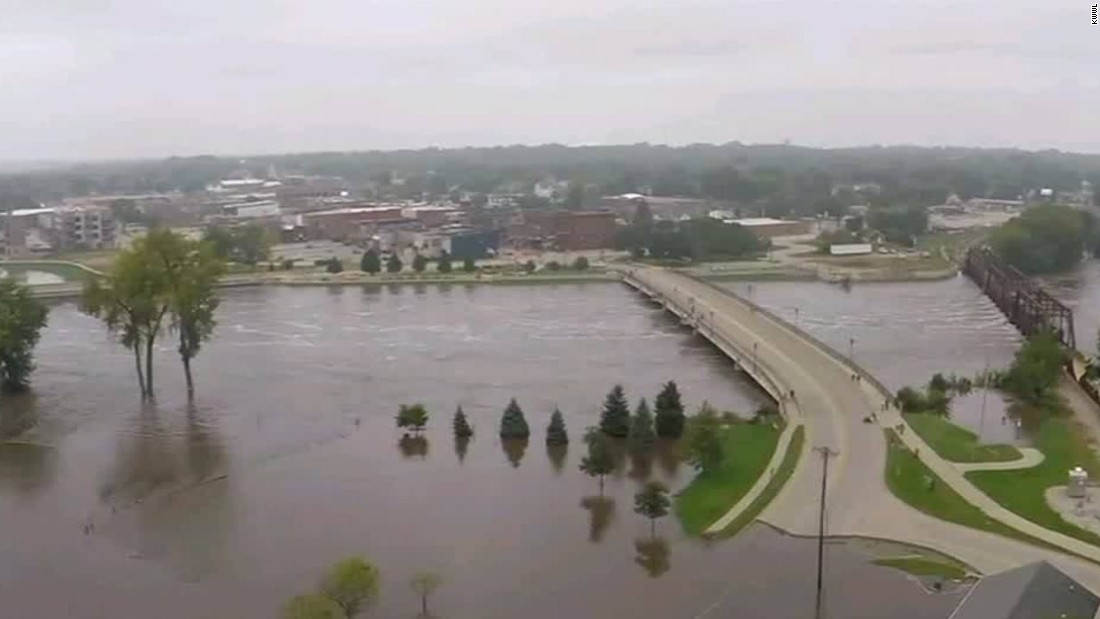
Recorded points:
(95, 79)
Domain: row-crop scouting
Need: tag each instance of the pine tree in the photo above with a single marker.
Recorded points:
(555, 432)
(641, 427)
(420, 263)
(513, 424)
(393, 264)
(670, 412)
(461, 427)
(443, 265)
(370, 262)
(615, 419)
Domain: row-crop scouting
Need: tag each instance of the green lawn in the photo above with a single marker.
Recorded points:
(915, 484)
(955, 443)
(921, 566)
(747, 448)
(782, 474)
(1022, 491)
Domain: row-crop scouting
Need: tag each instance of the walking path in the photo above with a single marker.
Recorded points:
(762, 482)
(833, 405)
(1030, 457)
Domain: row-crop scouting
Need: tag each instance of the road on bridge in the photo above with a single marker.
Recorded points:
(833, 405)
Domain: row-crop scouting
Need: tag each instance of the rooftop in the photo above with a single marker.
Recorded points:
(1035, 591)
(759, 221)
(353, 210)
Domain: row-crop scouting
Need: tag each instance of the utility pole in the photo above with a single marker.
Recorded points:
(826, 453)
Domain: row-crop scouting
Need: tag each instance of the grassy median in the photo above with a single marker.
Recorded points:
(747, 448)
(1024, 491)
(782, 474)
(957, 444)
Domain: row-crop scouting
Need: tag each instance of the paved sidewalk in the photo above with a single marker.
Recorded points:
(1030, 457)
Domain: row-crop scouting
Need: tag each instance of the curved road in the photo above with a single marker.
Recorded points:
(833, 406)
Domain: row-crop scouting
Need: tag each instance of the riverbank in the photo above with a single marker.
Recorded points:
(747, 448)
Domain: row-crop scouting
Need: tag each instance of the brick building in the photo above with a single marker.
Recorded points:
(345, 223)
(563, 230)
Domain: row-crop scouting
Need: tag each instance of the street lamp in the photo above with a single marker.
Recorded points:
(754, 365)
(852, 348)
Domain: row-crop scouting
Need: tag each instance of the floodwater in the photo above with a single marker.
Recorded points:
(289, 461)
(1080, 291)
(904, 332)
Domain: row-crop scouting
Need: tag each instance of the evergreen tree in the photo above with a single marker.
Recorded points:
(670, 412)
(443, 265)
(513, 424)
(420, 263)
(393, 264)
(615, 418)
(334, 265)
(555, 432)
(469, 265)
(641, 427)
(370, 262)
(599, 461)
(462, 427)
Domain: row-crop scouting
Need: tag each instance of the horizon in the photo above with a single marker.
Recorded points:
(15, 166)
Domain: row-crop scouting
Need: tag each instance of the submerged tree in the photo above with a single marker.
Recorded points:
(412, 416)
(642, 435)
(21, 320)
(652, 502)
(555, 432)
(424, 584)
(352, 584)
(513, 424)
(615, 418)
(599, 461)
(670, 412)
(193, 299)
(460, 425)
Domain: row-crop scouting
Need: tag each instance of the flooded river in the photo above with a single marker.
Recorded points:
(289, 460)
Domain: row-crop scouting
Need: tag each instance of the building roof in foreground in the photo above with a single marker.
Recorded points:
(1035, 591)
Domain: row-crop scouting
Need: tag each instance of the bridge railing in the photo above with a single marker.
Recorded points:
(798, 332)
(758, 369)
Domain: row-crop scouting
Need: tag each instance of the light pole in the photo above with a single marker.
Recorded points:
(754, 364)
(852, 348)
(826, 453)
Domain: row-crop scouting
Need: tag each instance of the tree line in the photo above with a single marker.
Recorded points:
(1046, 239)
(164, 282)
(774, 179)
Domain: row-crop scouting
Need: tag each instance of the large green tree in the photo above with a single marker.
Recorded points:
(1043, 239)
(21, 321)
(703, 444)
(1036, 369)
(670, 412)
(615, 418)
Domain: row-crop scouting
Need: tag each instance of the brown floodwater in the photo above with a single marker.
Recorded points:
(289, 460)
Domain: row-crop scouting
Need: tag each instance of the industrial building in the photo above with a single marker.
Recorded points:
(563, 230)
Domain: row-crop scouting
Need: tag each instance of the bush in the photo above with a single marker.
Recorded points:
(469, 265)
(334, 265)
(580, 264)
(529, 266)
(909, 400)
(553, 265)
(414, 417)
(288, 264)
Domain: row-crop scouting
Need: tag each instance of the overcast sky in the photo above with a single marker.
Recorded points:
(125, 78)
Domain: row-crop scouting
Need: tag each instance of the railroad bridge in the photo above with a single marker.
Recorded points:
(1030, 308)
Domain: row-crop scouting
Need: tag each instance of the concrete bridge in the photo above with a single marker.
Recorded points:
(832, 405)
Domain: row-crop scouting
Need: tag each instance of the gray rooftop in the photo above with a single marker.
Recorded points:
(1034, 591)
